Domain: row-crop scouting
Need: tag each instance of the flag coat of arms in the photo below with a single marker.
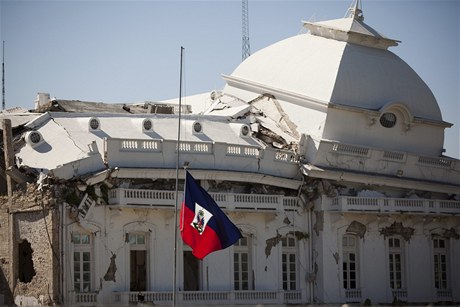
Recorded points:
(203, 225)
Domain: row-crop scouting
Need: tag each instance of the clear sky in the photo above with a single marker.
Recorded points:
(129, 51)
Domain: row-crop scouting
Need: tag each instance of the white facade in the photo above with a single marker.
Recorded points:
(325, 149)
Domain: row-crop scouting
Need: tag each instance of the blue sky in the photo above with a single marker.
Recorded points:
(129, 51)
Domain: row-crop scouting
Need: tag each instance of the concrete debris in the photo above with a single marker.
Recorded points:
(336, 257)
(112, 269)
(319, 222)
(17, 176)
(272, 242)
(357, 228)
(397, 229)
(451, 233)
(370, 193)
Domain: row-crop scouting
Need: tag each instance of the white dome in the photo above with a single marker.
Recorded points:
(347, 66)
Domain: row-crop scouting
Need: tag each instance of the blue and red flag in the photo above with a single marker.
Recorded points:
(203, 225)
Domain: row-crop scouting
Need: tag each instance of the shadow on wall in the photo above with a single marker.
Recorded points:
(6, 297)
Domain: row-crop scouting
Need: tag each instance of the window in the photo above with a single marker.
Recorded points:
(245, 130)
(147, 125)
(35, 137)
(440, 261)
(350, 262)
(197, 127)
(82, 265)
(388, 120)
(396, 262)
(289, 262)
(94, 124)
(136, 239)
(138, 261)
(242, 267)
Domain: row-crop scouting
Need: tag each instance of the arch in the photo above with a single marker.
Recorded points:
(145, 250)
(289, 229)
(401, 109)
(93, 227)
(140, 227)
(248, 230)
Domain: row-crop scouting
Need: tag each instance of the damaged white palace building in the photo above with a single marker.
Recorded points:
(325, 149)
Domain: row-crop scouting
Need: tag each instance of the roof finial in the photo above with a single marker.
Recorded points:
(355, 11)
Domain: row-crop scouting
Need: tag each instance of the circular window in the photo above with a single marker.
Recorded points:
(35, 137)
(197, 127)
(147, 124)
(94, 123)
(245, 130)
(388, 120)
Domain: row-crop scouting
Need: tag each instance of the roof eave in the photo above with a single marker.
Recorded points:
(370, 179)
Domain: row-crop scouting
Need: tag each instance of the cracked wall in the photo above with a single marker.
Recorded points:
(111, 270)
(29, 255)
(398, 229)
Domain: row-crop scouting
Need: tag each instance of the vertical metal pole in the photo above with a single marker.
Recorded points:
(3, 77)
(177, 180)
(8, 152)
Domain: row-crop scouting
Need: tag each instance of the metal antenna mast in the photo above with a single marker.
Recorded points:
(3, 77)
(246, 48)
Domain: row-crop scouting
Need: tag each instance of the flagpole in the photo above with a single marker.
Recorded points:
(177, 181)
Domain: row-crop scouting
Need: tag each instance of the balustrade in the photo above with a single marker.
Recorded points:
(400, 294)
(161, 153)
(87, 297)
(229, 201)
(211, 297)
(350, 203)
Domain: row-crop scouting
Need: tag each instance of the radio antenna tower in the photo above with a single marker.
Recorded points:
(3, 77)
(246, 48)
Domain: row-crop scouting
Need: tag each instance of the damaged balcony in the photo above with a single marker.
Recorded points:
(230, 201)
(332, 160)
(391, 205)
(162, 153)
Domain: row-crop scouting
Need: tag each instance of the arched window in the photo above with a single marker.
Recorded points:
(137, 261)
(350, 262)
(441, 264)
(396, 262)
(83, 270)
(242, 264)
(289, 262)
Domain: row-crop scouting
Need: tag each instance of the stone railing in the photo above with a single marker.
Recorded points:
(400, 294)
(229, 201)
(444, 294)
(86, 298)
(353, 295)
(211, 297)
(384, 162)
(159, 153)
(349, 203)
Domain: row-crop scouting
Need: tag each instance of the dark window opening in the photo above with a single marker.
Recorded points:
(138, 270)
(191, 272)
(388, 120)
(26, 264)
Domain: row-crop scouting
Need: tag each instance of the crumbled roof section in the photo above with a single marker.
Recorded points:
(77, 106)
(15, 110)
(17, 118)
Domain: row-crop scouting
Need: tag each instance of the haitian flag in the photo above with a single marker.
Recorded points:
(203, 225)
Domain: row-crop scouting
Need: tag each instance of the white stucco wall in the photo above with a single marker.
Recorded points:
(109, 226)
(356, 128)
(373, 258)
